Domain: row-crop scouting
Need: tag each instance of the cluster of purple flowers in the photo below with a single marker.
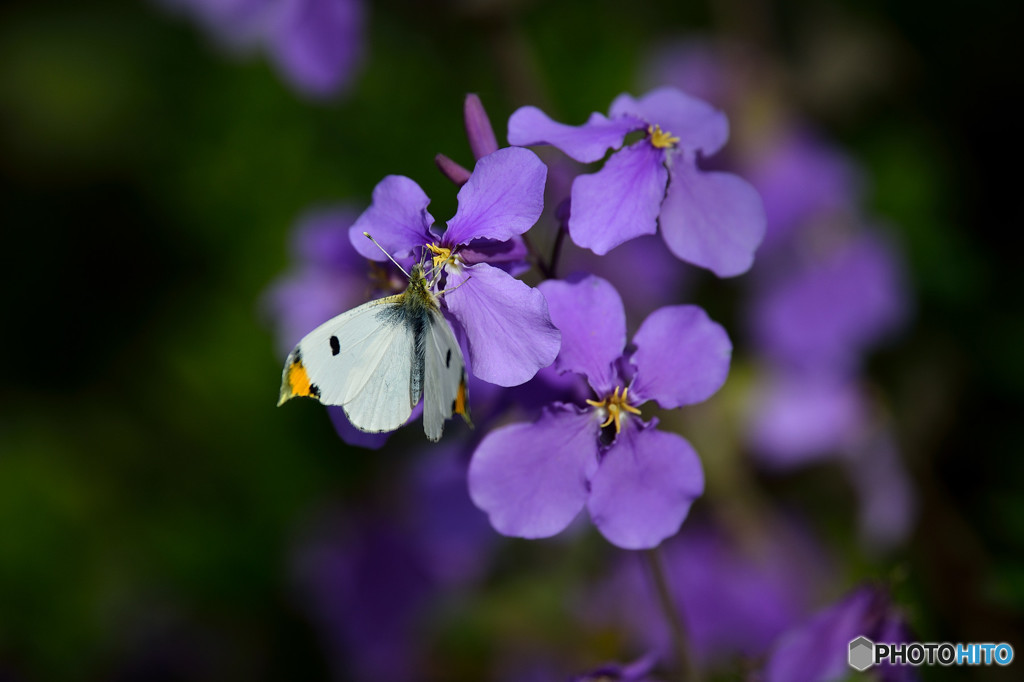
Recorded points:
(828, 288)
(595, 449)
(563, 395)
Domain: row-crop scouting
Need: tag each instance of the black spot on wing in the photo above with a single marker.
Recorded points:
(314, 391)
(448, 358)
(335, 345)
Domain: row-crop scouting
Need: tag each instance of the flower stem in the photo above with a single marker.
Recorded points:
(556, 251)
(687, 670)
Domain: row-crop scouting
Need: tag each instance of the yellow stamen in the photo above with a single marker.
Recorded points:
(615, 405)
(442, 255)
(662, 139)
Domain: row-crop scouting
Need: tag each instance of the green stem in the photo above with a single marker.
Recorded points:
(687, 670)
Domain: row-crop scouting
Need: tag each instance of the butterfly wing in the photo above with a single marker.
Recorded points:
(444, 385)
(363, 360)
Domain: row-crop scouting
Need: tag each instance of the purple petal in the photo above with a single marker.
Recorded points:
(697, 124)
(682, 357)
(590, 315)
(637, 671)
(531, 479)
(353, 436)
(828, 313)
(714, 220)
(619, 202)
(398, 219)
(317, 43)
(298, 304)
(509, 255)
(478, 127)
(644, 487)
(507, 325)
(235, 23)
(365, 588)
(586, 143)
(800, 177)
(664, 277)
(452, 170)
(503, 198)
(818, 649)
(737, 596)
(798, 418)
(700, 67)
(454, 538)
(887, 507)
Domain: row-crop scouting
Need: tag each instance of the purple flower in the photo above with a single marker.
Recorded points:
(801, 177)
(736, 592)
(817, 650)
(664, 280)
(711, 219)
(506, 322)
(365, 586)
(638, 482)
(803, 417)
(316, 44)
(815, 316)
(369, 577)
(828, 310)
(637, 671)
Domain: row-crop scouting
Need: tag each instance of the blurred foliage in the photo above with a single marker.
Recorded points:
(151, 493)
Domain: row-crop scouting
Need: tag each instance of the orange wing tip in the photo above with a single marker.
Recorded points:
(296, 383)
(461, 403)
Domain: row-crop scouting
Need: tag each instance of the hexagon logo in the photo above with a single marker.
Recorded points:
(862, 654)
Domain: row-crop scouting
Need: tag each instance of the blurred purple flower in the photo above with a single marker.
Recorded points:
(887, 498)
(695, 65)
(736, 594)
(828, 311)
(638, 482)
(315, 44)
(803, 417)
(368, 578)
(637, 671)
(327, 278)
(365, 589)
(817, 650)
(506, 322)
(800, 177)
(711, 219)
(813, 320)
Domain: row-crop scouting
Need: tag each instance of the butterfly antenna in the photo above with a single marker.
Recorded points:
(368, 236)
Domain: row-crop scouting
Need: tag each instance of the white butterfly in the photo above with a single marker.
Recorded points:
(378, 359)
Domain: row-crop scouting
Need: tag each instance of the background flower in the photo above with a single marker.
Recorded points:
(315, 44)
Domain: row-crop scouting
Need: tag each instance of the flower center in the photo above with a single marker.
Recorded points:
(442, 256)
(614, 406)
(662, 139)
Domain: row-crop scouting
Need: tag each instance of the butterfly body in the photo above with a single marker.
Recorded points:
(377, 360)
